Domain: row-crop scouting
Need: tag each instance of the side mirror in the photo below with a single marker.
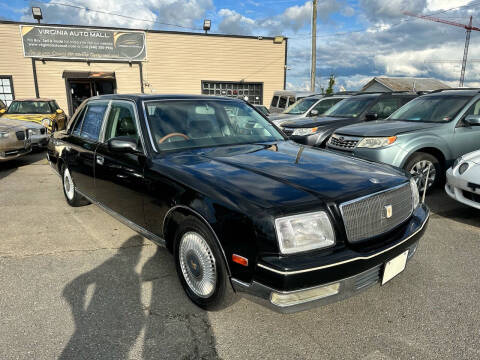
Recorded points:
(59, 111)
(123, 144)
(473, 120)
(313, 113)
(3, 111)
(371, 116)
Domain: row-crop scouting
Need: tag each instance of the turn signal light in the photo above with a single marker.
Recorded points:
(239, 260)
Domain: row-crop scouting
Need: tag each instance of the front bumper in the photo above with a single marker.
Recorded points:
(392, 155)
(14, 153)
(39, 141)
(459, 189)
(340, 279)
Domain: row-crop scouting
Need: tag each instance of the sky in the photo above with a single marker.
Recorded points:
(356, 40)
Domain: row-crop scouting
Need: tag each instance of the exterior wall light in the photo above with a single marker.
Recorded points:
(207, 24)
(37, 13)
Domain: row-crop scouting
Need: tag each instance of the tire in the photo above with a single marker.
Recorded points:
(198, 259)
(417, 166)
(73, 198)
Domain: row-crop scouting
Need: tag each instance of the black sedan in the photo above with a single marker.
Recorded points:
(316, 131)
(242, 209)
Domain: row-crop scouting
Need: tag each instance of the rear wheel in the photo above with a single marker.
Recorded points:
(418, 166)
(71, 195)
(200, 266)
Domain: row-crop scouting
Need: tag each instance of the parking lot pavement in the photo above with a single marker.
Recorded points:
(75, 283)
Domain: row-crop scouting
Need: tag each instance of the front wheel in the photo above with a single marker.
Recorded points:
(418, 166)
(200, 266)
(71, 195)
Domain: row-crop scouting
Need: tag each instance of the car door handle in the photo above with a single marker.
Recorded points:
(100, 160)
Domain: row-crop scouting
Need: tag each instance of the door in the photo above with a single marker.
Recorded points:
(466, 137)
(83, 143)
(82, 89)
(119, 181)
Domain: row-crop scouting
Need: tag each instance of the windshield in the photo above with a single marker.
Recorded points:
(300, 107)
(431, 109)
(204, 123)
(351, 107)
(29, 107)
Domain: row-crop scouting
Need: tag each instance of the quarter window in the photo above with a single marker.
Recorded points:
(121, 121)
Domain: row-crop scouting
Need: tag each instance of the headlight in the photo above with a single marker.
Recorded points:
(4, 134)
(34, 132)
(304, 131)
(462, 168)
(415, 194)
(47, 122)
(304, 232)
(376, 142)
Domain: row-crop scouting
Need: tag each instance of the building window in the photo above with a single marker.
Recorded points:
(239, 90)
(6, 89)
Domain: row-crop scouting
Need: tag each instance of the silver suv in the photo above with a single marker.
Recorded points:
(425, 136)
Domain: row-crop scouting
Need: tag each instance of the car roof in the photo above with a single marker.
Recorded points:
(149, 97)
(448, 92)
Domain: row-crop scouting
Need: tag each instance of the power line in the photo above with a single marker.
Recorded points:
(123, 16)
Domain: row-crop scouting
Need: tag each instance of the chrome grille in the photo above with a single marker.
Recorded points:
(343, 142)
(368, 217)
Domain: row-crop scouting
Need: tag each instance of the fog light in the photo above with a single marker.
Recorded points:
(303, 296)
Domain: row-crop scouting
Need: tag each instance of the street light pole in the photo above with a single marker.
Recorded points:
(314, 46)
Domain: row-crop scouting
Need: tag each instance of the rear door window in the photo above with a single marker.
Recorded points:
(91, 123)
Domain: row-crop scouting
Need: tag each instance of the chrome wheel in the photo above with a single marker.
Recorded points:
(68, 185)
(419, 171)
(197, 263)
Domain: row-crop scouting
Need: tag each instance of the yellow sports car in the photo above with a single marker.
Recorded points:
(42, 111)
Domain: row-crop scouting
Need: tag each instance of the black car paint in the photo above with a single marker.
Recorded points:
(328, 124)
(237, 191)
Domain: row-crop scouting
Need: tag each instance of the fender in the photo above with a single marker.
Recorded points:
(420, 142)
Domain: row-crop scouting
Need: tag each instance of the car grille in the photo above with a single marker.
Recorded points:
(20, 135)
(288, 131)
(368, 278)
(43, 131)
(343, 142)
(471, 196)
(367, 217)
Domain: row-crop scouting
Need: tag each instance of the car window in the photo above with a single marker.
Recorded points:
(203, 123)
(274, 101)
(474, 109)
(78, 119)
(300, 106)
(291, 100)
(385, 107)
(29, 107)
(92, 120)
(351, 107)
(430, 108)
(282, 103)
(325, 104)
(54, 106)
(121, 121)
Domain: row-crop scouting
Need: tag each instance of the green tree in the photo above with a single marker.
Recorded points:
(331, 84)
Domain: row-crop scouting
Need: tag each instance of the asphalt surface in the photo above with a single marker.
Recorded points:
(77, 284)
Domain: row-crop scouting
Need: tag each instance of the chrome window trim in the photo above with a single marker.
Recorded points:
(294, 272)
(137, 121)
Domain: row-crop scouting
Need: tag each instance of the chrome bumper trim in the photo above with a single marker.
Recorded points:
(293, 272)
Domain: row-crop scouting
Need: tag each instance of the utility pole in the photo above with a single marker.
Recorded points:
(314, 46)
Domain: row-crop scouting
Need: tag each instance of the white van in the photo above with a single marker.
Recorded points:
(282, 99)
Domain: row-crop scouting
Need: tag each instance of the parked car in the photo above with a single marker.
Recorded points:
(237, 203)
(463, 179)
(42, 111)
(263, 109)
(429, 132)
(14, 139)
(284, 98)
(358, 108)
(307, 107)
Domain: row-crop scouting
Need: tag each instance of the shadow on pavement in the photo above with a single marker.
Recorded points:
(106, 305)
(8, 167)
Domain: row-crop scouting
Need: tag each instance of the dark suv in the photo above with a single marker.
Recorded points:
(315, 131)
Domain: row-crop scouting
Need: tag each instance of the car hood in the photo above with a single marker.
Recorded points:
(282, 116)
(279, 175)
(29, 117)
(314, 122)
(8, 124)
(473, 157)
(385, 128)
